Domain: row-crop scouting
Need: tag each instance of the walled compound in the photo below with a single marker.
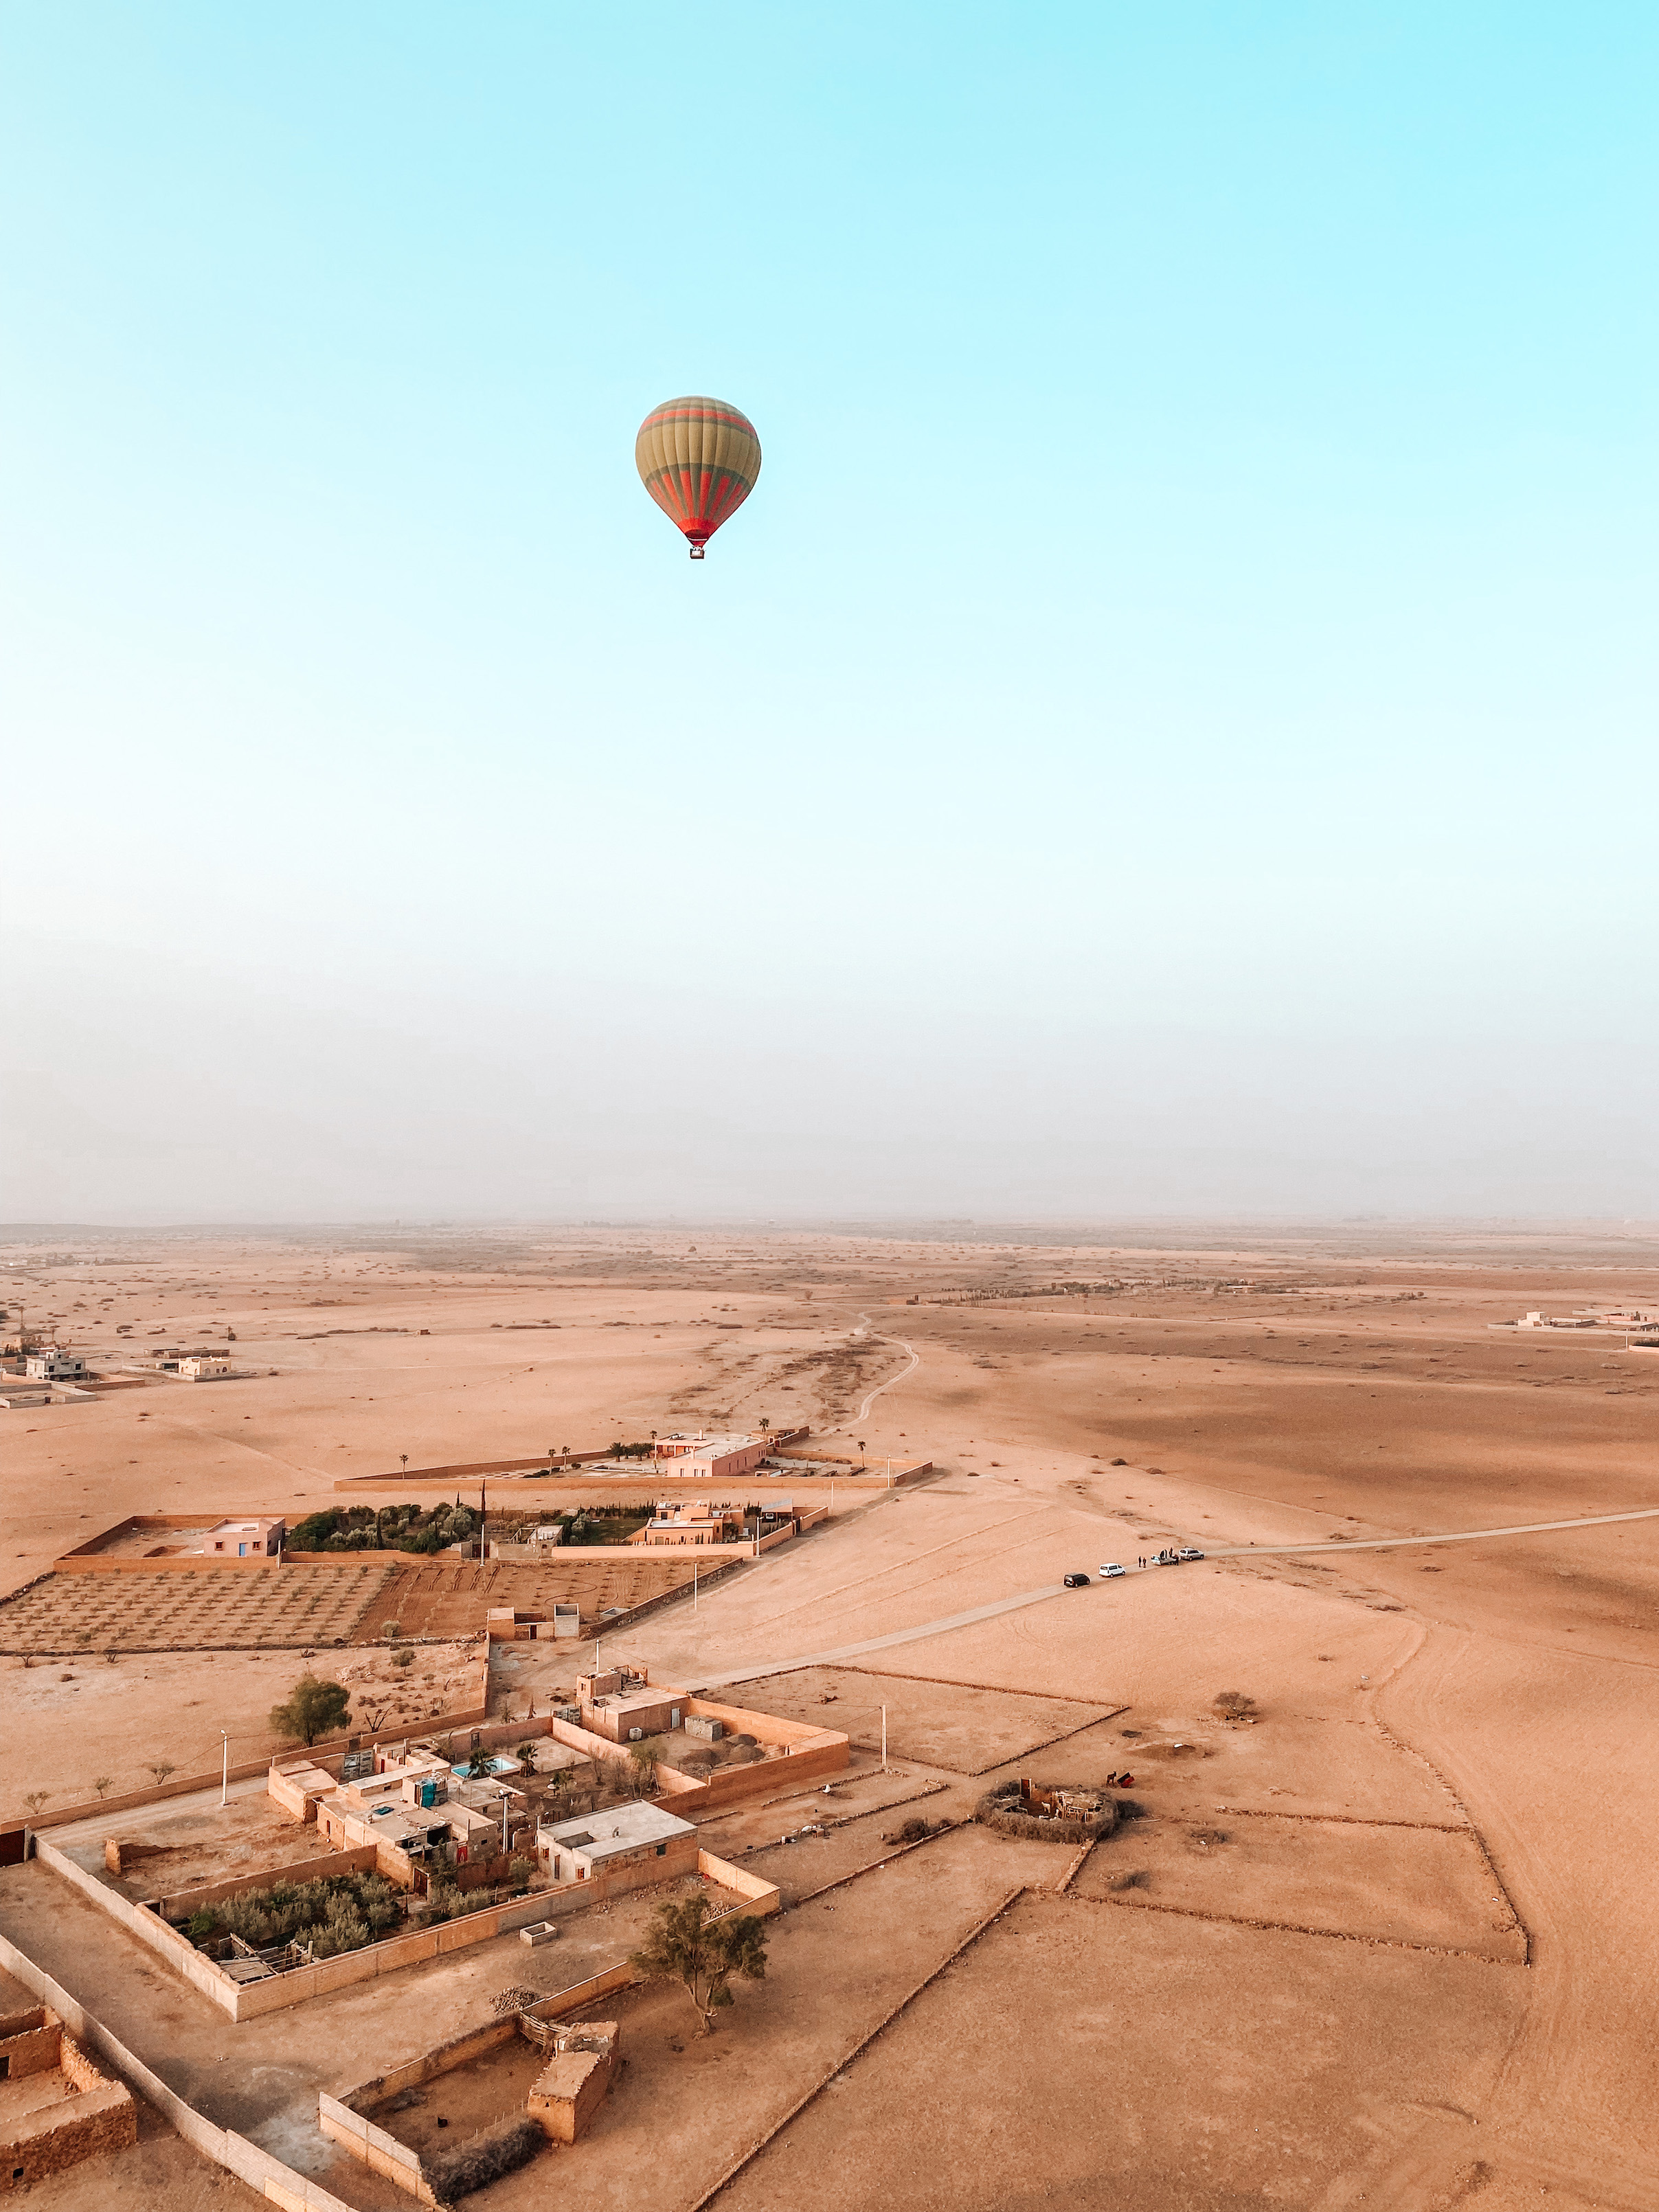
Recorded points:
(56, 2108)
(409, 1836)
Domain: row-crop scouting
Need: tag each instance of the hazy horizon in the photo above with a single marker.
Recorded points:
(1170, 735)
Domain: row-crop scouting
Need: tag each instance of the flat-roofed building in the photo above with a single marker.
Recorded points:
(204, 1367)
(623, 1705)
(713, 1459)
(694, 1522)
(52, 1364)
(260, 1538)
(639, 1842)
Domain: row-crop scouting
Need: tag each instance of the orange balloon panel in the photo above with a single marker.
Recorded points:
(698, 459)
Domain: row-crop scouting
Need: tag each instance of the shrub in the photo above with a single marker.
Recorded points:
(1234, 1705)
(490, 2154)
(339, 1912)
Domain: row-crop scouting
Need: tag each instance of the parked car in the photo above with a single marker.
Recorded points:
(1186, 1552)
(1110, 1569)
(1076, 1582)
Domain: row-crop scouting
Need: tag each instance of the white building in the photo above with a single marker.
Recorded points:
(635, 1836)
(710, 1459)
(50, 1365)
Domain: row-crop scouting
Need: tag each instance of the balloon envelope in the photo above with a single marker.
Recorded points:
(698, 459)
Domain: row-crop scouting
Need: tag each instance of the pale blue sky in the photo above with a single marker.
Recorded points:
(1172, 732)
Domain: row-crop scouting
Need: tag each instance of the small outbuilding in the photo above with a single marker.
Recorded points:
(630, 1845)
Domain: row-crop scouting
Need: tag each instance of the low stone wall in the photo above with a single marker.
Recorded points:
(267, 2176)
(1002, 1814)
(375, 2148)
(186, 1901)
(101, 2116)
(33, 2049)
(249, 2000)
(755, 1893)
(186, 1785)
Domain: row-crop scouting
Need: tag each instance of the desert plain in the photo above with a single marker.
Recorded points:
(1392, 1941)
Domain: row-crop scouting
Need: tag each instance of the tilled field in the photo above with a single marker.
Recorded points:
(243, 1609)
(451, 1600)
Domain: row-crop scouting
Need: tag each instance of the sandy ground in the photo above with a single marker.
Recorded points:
(1393, 1945)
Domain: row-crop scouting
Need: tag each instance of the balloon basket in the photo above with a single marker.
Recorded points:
(698, 551)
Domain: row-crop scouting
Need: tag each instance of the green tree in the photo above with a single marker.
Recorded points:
(684, 1946)
(313, 1709)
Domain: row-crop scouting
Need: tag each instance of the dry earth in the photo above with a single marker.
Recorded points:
(1394, 1944)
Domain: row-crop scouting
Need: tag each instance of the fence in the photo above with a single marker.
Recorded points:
(268, 2177)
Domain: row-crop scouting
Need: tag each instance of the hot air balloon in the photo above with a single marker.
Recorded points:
(698, 459)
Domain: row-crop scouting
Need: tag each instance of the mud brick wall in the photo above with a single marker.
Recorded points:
(33, 2049)
(100, 2117)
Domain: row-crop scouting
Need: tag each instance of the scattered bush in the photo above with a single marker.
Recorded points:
(1234, 1705)
(913, 1832)
(490, 2154)
(403, 1656)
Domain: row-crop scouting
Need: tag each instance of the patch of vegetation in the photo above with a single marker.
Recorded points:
(911, 1831)
(339, 1912)
(604, 1524)
(484, 2158)
(1234, 1705)
(421, 1529)
(313, 1709)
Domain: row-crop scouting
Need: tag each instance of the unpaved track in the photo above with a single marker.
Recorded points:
(877, 1337)
(1456, 1536)
(941, 1627)
(946, 1622)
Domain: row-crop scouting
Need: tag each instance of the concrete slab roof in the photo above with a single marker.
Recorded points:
(623, 1829)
